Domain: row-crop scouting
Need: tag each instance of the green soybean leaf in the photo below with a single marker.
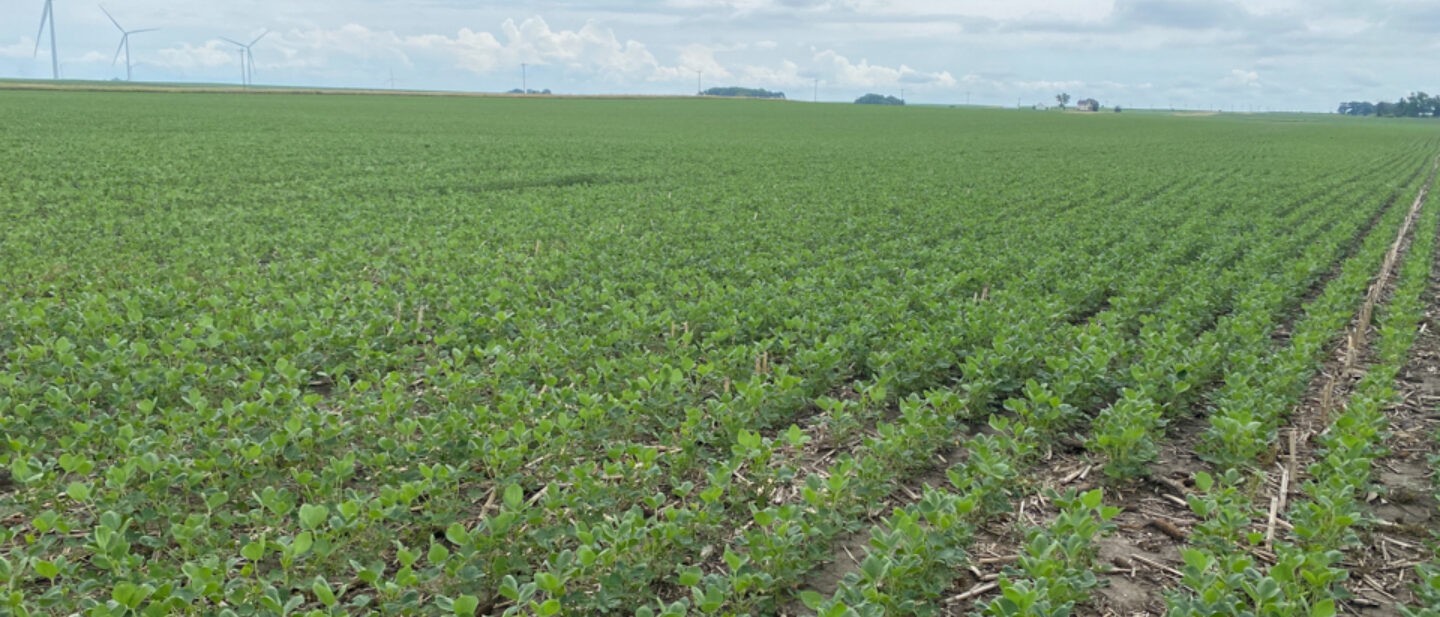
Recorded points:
(465, 606)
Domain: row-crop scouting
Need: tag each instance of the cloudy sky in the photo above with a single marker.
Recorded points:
(1261, 54)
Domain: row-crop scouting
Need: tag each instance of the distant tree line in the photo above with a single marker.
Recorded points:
(1417, 105)
(530, 91)
(878, 99)
(748, 93)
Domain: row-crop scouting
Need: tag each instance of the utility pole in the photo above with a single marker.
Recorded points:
(699, 85)
(524, 85)
(817, 90)
(967, 98)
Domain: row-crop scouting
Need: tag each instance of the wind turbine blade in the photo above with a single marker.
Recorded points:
(44, 14)
(257, 39)
(112, 18)
(232, 41)
(119, 49)
(142, 30)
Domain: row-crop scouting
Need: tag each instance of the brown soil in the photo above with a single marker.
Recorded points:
(1145, 552)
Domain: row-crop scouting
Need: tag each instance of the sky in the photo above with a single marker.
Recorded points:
(1196, 54)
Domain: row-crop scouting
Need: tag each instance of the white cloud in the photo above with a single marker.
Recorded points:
(591, 49)
(308, 48)
(91, 56)
(1050, 85)
(866, 75)
(787, 74)
(187, 56)
(25, 48)
(693, 58)
(1239, 78)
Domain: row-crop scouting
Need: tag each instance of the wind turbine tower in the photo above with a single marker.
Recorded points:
(124, 41)
(244, 77)
(47, 15)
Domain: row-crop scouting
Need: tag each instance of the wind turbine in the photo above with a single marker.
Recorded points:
(124, 41)
(48, 15)
(247, 59)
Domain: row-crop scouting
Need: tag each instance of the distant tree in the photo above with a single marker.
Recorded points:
(1420, 105)
(749, 93)
(878, 99)
(1117, 109)
(1404, 107)
(1063, 99)
(1415, 105)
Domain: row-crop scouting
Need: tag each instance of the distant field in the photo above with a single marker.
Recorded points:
(448, 355)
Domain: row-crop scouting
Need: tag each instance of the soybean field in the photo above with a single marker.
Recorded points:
(292, 354)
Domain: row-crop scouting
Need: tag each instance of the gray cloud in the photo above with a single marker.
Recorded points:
(1182, 14)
